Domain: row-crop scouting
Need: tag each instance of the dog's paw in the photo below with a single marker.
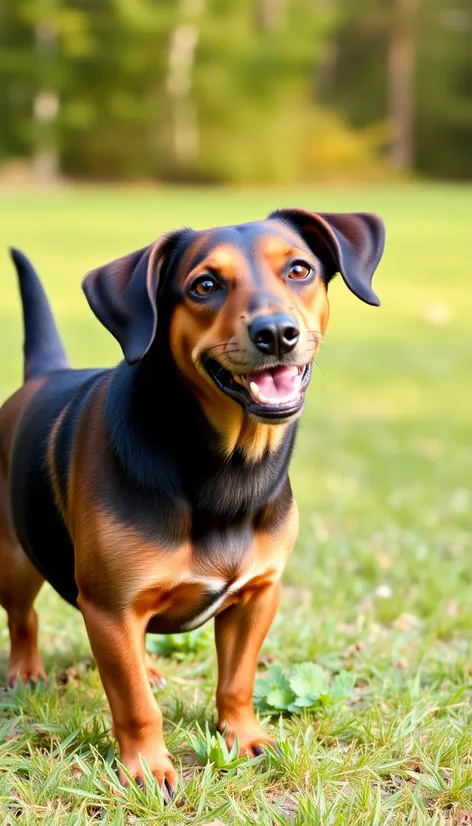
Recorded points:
(160, 766)
(251, 737)
(155, 676)
(28, 673)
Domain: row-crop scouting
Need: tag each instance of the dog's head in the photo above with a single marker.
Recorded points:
(248, 304)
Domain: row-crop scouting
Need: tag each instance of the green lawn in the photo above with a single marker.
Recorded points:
(380, 581)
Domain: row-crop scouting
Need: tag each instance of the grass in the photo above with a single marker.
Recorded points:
(379, 583)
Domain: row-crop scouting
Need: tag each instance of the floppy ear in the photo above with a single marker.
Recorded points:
(123, 295)
(350, 243)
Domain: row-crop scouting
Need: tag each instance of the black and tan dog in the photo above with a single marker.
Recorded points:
(156, 495)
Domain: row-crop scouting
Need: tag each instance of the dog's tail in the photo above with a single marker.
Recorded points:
(43, 348)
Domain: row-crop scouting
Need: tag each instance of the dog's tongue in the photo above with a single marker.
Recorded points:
(276, 385)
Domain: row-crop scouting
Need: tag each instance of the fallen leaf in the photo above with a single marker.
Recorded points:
(266, 659)
(452, 609)
(352, 649)
(414, 766)
(76, 772)
(462, 819)
(74, 672)
(406, 623)
(13, 734)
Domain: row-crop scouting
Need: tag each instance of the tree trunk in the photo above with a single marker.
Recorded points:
(401, 74)
(184, 116)
(46, 103)
(269, 14)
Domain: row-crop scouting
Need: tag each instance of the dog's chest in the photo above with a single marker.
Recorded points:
(181, 589)
(210, 573)
(200, 553)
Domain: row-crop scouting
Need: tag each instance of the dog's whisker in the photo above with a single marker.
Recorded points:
(199, 358)
(222, 344)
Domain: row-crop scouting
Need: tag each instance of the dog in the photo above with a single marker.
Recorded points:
(155, 495)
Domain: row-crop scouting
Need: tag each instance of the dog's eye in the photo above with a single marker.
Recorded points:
(299, 271)
(203, 286)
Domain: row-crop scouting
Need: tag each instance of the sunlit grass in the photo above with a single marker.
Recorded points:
(380, 581)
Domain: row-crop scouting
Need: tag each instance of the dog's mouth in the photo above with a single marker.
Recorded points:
(276, 393)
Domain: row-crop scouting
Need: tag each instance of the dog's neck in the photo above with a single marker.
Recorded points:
(151, 414)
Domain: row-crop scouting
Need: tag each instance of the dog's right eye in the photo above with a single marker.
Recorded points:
(203, 286)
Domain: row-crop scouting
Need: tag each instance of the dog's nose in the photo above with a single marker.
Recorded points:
(274, 335)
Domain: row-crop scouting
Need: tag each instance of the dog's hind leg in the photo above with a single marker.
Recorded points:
(19, 585)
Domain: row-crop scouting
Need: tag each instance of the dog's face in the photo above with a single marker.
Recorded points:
(249, 304)
(251, 311)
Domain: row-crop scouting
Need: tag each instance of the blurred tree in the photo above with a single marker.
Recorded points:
(38, 38)
(213, 90)
(15, 94)
(253, 86)
(115, 116)
(443, 113)
(408, 62)
(46, 97)
(194, 89)
(182, 63)
(401, 82)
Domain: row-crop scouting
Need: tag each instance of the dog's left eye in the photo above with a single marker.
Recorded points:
(203, 286)
(299, 271)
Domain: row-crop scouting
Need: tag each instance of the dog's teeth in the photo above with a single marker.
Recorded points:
(256, 392)
(258, 395)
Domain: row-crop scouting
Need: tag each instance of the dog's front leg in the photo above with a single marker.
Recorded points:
(117, 643)
(239, 632)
